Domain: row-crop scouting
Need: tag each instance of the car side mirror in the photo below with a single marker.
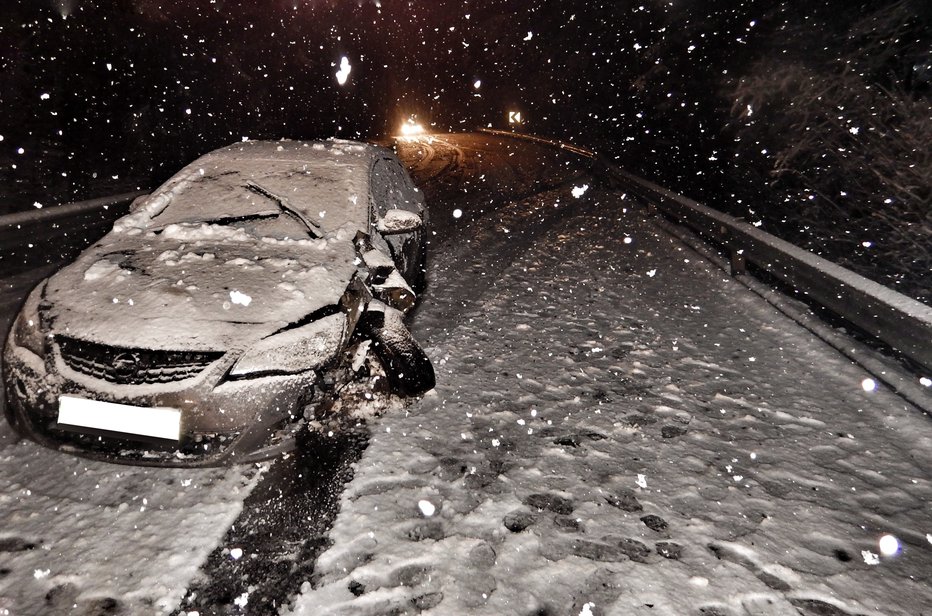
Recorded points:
(399, 221)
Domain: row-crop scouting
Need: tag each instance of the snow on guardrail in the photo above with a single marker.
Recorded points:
(902, 323)
(36, 226)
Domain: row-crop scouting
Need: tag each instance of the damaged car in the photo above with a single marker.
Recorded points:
(227, 308)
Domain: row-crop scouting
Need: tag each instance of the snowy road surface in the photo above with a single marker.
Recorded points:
(618, 428)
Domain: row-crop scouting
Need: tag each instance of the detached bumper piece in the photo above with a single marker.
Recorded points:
(407, 366)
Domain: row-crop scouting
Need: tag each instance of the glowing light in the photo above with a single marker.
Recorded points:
(889, 545)
(343, 73)
(514, 117)
(868, 384)
(457, 213)
(477, 84)
(64, 7)
(410, 128)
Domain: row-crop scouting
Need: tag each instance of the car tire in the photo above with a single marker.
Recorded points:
(407, 367)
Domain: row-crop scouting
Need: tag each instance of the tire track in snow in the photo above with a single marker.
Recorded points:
(269, 551)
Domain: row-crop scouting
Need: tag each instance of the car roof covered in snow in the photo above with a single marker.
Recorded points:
(326, 182)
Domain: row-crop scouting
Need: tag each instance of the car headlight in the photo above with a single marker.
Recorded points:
(295, 350)
(27, 331)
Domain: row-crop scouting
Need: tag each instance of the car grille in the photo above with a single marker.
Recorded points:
(133, 366)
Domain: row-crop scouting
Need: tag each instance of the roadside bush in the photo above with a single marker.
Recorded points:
(841, 142)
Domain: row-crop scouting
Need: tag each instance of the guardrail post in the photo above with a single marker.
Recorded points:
(736, 261)
(649, 205)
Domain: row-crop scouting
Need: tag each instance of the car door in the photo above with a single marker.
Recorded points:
(392, 189)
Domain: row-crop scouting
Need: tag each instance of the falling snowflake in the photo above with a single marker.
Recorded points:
(240, 298)
(427, 508)
(343, 73)
(889, 545)
(579, 191)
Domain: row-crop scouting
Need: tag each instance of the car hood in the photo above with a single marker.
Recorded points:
(176, 293)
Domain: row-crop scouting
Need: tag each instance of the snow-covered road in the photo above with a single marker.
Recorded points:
(618, 428)
(85, 537)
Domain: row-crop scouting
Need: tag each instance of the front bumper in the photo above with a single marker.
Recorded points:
(222, 421)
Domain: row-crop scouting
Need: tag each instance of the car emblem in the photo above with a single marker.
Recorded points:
(125, 363)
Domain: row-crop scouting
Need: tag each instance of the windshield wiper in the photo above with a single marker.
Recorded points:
(225, 221)
(312, 226)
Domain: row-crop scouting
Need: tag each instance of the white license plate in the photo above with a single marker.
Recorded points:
(154, 422)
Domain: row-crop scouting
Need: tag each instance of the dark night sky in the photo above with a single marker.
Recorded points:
(167, 80)
(93, 89)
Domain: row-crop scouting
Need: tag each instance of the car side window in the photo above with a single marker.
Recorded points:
(390, 189)
(378, 191)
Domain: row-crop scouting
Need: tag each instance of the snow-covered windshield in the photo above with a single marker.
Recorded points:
(258, 194)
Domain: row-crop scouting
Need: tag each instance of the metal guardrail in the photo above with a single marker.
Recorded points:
(902, 323)
(899, 321)
(38, 227)
(549, 142)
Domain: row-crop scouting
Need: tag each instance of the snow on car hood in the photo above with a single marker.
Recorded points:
(204, 288)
